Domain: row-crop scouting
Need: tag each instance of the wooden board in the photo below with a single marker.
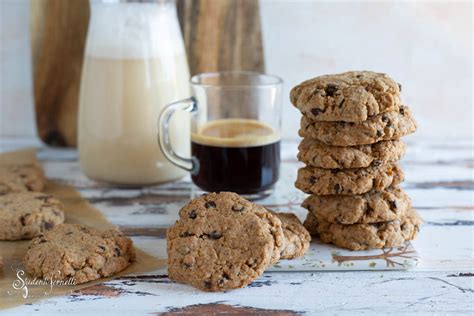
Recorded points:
(58, 33)
(222, 35)
(219, 35)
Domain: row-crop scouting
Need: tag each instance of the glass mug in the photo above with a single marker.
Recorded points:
(235, 132)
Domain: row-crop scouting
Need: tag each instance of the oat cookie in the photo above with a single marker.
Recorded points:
(297, 238)
(366, 236)
(21, 178)
(317, 154)
(372, 207)
(76, 251)
(222, 241)
(319, 181)
(352, 96)
(384, 126)
(27, 214)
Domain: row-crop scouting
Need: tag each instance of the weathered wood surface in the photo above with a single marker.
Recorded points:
(439, 178)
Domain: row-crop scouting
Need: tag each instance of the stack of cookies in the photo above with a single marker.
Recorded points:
(351, 128)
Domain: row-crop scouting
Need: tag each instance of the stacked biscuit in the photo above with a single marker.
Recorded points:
(351, 128)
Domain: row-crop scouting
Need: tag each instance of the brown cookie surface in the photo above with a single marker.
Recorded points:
(297, 238)
(222, 241)
(21, 178)
(385, 126)
(352, 96)
(317, 154)
(28, 214)
(365, 236)
(319, 181)
(75, 251)
(372, 207)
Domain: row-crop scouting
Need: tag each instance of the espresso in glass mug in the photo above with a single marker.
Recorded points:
(235, 138)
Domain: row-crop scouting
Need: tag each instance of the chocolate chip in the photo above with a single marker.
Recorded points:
(207, 284)
(23, 219)
(379, 133)
(192, 214)
(376, 163)
(42, 241)
(215, 235)
(210, 204)
(117, 251)
(385, 118)
(316, 111)
(224, 278)
(399, 87)
(402, 111)
(334, 171)
(238, 208)
(187, 265)
(185, 234)
(69, 233)
(342, 103)
(377, 225)
(312, 179)
(102, 248)
(48, 225)
(393, 204)
(337, 188)
(359, 76)
(330, 90)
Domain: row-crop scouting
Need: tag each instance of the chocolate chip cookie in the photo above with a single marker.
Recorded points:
(352, 96)
(385, 126)
(222, 241)
(297, 238)
(21, 178)
(27, 214)
(372, 207)
(365, 236)
(319, 181)
(78, 252)
(317, 154)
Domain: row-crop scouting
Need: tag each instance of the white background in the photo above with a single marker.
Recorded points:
(424, 45)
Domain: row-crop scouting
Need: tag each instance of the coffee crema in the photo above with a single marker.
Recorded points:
(238, 155)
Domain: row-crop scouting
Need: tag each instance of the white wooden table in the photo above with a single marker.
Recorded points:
(439, 178)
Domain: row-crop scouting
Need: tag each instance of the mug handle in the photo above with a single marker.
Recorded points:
(187, 105)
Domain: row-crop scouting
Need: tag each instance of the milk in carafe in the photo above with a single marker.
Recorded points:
(135, 64)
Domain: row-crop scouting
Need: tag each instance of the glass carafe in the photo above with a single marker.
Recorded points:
(135, 63)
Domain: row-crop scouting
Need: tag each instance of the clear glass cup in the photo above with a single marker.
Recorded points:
(235, 132)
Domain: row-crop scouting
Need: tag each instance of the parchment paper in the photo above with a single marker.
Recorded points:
(77, 211)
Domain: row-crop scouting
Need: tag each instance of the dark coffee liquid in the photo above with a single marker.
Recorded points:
(241, 156)
(242, 170)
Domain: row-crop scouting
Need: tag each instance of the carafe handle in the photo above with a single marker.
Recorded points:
(187, 105)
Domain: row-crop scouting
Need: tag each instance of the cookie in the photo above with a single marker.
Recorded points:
(365, 236)
(297, 238)
(384, 126)
(319, 181)
(317, 154)
(21, 178)
(75, 251)
(352, 96)
(372, 207)
(28, 214)
(222, 241)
